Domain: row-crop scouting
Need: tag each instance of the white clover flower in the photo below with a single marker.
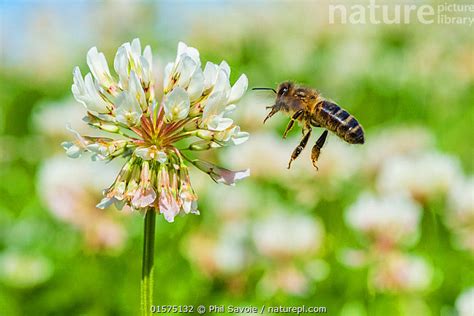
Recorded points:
(388, 220)
(393, 142)
(231, 251)
(226, 253)
(193, 111)
(287, 279)
(284, 235)
(49, 119)
(423, 176)
(401, 273)
(21, 270)
(70, 189)
(460, 214)
(465, 303)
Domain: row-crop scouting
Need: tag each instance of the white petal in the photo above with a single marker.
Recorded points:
(148, 55)
(225, 67)
(146, 70)
(242, 174)
(136, 91)
(121, 66)
(230, 108)
(240, 137)
(74, 152)
(98, 66)
(222, 83)
(176, 104)
(192, 52)
(196, 85)
(181, 50)
(221, 175)
(210, 75)
(78, 87)
(105, 202)
(136, 49)
(128, 118)
(213, 104)
(161, 157)
(128, 110)
(167, 75)
(93, 100)
(143, 153)
(185, 69)
(238, 89)
(217, 100)
(219, 123)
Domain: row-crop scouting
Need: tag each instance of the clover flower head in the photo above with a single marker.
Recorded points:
(459, 215)
(423, 176)
(284, 236)
(464, 302)
(386, 220)
(152, 133)
(401, 273)
(69, 189)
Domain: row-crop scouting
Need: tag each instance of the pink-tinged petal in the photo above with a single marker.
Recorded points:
(221, 175)
(144, 198)
(168, 206)
(145, 174)
(105, 202)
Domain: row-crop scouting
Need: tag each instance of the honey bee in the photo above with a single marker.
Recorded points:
(307, 106)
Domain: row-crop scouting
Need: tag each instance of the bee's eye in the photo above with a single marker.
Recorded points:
(284, 90)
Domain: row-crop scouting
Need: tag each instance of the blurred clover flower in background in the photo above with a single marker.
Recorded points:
(460, 214)
(400, 272)
(22, 270)
(151, 133)
(74, 201)
(69, 188)
(423, 176)
(386, 221)
(464, 302)
(292, 244)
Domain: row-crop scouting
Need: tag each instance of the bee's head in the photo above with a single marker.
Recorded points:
(284, 88)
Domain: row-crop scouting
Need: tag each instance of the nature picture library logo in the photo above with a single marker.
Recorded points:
(378, 12)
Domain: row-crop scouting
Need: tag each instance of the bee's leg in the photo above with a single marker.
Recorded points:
(272, 112)
(292, 122)
(307, 127)
(317, 148)
(300, 148)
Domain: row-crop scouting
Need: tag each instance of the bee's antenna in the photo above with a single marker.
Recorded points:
(265, 89)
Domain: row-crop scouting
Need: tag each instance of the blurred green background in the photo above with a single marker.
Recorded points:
(386, 228)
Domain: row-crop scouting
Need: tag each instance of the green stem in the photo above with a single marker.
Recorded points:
(147, 263)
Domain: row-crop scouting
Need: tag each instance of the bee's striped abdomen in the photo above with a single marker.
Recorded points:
(338, 121)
